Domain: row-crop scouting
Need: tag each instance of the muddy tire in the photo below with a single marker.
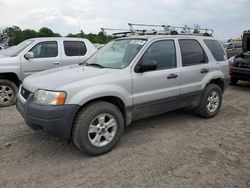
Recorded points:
(8, 92)
(210, 101)
(97, 128)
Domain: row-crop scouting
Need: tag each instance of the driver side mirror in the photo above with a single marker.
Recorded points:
(29, 55)
(148, 65)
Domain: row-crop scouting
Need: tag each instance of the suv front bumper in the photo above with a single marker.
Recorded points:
(55, 120)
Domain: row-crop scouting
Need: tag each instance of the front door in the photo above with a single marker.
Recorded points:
(46, 56)
(157, 91)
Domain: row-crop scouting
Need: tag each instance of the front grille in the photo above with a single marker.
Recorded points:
(25, 93)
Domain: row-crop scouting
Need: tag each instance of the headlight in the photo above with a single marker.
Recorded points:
(49, 97)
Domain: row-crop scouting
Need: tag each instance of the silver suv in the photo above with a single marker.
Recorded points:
(128, 79)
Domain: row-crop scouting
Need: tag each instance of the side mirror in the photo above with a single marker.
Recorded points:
(145, 66)
(29, 55)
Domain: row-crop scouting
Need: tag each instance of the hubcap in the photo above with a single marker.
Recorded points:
(213, 101)
(6, 94)
(102, 130)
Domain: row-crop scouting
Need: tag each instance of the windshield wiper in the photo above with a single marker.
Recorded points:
(95, 65)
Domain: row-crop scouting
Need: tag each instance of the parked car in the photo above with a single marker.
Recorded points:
(128, 79)
(240, 64)
(38, 54)
(233, 48)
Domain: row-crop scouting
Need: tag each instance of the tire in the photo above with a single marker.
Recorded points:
(233, 81)
(84, 136)
(204, 109)
(8, 91)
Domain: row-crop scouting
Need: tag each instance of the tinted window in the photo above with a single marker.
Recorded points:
(192, 52)
(74, 48)
(163, 52)
(237, 45)
(45, 49)
(216, 49)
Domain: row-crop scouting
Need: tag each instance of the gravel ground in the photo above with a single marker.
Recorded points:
(177, 149)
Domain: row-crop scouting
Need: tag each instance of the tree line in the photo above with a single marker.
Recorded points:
(14, 35)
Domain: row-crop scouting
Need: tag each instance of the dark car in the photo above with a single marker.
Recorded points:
(233, 48)
(240, 64)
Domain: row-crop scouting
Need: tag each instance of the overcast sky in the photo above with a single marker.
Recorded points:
(228, 18)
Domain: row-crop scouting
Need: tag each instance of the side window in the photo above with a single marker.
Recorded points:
(163, 52)
(74, 48)
(45, 49)
(216, 49)
(237, 45)
(192, 53)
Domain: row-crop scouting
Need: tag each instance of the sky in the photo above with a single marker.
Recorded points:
(228, 18)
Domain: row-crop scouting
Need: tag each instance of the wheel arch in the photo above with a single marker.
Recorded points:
(11, 77)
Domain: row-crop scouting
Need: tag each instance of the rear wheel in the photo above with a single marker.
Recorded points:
(8, 91)
(233, 81)
(98, 127)
(210, 102)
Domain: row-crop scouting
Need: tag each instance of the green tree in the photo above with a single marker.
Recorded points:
(45, 32)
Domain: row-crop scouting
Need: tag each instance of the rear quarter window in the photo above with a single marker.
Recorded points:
(216, 49)
(74, 48)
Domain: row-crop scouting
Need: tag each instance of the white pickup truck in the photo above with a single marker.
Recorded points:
(38, 54)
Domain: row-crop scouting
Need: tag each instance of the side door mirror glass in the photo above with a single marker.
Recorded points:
(29, 55)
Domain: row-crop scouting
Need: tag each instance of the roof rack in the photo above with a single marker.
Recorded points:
(169, 30)
(154, 30)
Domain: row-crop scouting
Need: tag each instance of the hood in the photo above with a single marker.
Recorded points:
(246, 41)
(6, 60)
(56, 78)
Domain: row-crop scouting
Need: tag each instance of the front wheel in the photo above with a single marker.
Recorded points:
(211, 101)
(8, 91)
(98, 127)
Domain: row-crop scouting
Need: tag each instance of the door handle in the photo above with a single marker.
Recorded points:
(204, 71)
(56, 63)
(171, 76)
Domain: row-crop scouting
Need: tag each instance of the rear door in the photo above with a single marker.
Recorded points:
(195, 67)
(74, 52)
(157, 91)
(46, 56)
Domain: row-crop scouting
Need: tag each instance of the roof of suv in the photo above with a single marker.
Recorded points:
(57, 38)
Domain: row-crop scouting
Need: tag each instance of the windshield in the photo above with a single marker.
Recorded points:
(16, 50)
(116, 54)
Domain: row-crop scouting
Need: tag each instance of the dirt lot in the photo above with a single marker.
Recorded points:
(177, 149)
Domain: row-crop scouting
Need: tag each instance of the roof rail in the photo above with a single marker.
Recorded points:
(169, 30)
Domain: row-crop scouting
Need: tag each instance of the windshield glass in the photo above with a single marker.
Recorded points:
(117, 54)
(16, 50)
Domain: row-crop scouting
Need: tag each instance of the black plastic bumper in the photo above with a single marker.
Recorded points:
(240, 73)
(55, 120)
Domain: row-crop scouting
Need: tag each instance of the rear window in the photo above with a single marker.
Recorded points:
(216, 49)
(74, 48)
